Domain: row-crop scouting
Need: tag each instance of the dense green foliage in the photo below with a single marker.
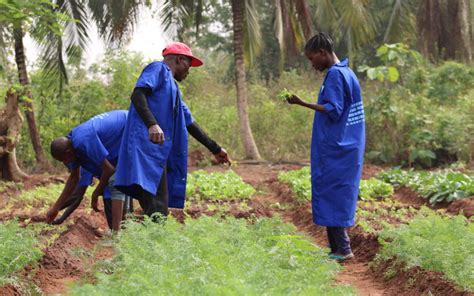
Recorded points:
(436, 243)
(435, 186)
(209, 256)
(300, 184)
(217, 186)
(424, 116)
(18, 248)
(409, 122)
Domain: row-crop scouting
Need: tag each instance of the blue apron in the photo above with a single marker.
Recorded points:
(94, 141)
(337, 148)
(141, 163)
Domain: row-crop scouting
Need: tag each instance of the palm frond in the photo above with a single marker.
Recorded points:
(327, 17)
(116, 19)
(356, 20)
(56, 46)
(402, 22)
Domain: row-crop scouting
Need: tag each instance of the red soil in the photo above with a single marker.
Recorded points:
(59, 266)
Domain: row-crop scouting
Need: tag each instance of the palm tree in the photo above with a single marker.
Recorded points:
(183, 15)
(14, 16)
(61, 29)
(242, 11)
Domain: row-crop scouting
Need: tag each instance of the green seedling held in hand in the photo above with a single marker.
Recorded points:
(284, 94)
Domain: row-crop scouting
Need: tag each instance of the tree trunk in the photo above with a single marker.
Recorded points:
(291, 51)
(304, 16)
(445, 29)
(10, 128)
(29, 110)
(251, 151)
(465, 31)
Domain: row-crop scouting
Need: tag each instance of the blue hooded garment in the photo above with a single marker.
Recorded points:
(337, 148)
(94, 141)
(141, 162)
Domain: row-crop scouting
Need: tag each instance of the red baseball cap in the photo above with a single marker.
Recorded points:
(183, 49)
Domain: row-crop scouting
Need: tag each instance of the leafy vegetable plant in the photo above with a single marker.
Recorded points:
(284, 94)
(217, 186)
(300, 183)
(435, 186)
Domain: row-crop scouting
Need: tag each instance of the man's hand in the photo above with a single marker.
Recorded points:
(95, 199)
(51, 214)
(156, 135)
(222, 157)
(294, 99)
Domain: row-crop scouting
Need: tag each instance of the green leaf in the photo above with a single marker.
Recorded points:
(382, 50)
(393, 74)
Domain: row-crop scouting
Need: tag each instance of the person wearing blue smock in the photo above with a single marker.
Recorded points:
(337, 147)
(152, 165)
(93, 145)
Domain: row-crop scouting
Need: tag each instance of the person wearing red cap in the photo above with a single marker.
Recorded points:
(152, 165)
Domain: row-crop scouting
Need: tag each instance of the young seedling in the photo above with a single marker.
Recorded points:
(284, 94)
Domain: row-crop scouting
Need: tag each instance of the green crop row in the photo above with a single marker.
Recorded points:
(300, 184)
(435, 186)
(217, 186)
(18, 248)
(434, 242)
(211, 256)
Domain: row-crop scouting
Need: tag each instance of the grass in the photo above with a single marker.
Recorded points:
(211, 256)
(434, 242)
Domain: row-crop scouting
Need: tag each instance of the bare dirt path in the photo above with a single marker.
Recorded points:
(73, 254)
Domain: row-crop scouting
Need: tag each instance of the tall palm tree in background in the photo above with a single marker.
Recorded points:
(61, 28)
(243, 17)
(179, 16)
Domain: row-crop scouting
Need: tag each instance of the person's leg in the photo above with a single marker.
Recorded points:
(331, 240)
(342, 241)
(161, 205)
(127, 206)
(117, 210)
(118, 199)
(108, 211)
(156, 203)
